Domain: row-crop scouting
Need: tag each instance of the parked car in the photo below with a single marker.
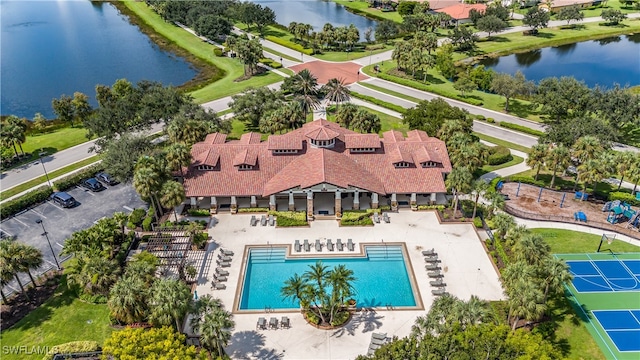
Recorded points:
(106, 178)
(92, 184)
(63, 199)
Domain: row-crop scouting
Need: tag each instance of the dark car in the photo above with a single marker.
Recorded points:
(92, 184)
(63, 199)
(106, 178)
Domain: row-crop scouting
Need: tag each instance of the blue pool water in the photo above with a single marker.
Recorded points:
(382, 278)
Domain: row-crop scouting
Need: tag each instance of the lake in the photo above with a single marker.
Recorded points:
(609, 61)
(316, 13)
(50, 48)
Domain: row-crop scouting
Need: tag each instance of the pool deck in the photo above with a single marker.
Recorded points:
(466, 266)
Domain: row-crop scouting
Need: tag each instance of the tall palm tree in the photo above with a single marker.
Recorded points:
(5, 277)
(317, 274)
(634, 174)
(142, 270)
(346, 114)
(503, 222)
(586, 148)
(366, 122)
(591, 171)
(459, 181)
(293, 289)
(12, 260)
(337, 92)
(536, 157)
(440, 315)
(8, 136)
(170, 302)
(558, 159)
(532, 249)
(31, 260)
(213, 323)
(293, 115)
(94, 275)
(472, 312)
(306, 88)
(556, 274)
(121, 219)
(147, 181)
(128, 299)
(514, 272)
(172, 195)
(624, 162)
(525, 302)
(478, 188)
(178, 156)
(514, 234)
(341, 280)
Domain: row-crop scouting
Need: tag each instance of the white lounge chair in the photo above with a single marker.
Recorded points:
(429, 252)
(329, 245)
(263, 220)
(222, 272)
(437, 283)
(218, 286)
(307, 246)
(385, 217)
(432, 267)
(434, 274)
(318, 245)
(284, 322)
(226, 252)
(438, 292)
(350, 245)
(273, 323)
(379, 336)
(296, 246)
(262, 323)
(376, 218)
(339, 245)
(253, 221)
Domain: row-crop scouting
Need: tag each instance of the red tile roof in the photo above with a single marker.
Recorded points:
(208, 157)
(322, 133)
(373, 171)
(284, 142)
(362, 141)
(250, 138)
(216, 138)
(461, 11)
(245, 157)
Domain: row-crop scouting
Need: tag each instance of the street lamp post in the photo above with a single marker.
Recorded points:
(43, 168)
(46, 234)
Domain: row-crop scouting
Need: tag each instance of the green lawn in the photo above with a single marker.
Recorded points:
(56, 141)
(233, 68)
(61, 319)
(363, 6)
(497, 141)
(489, 168)
(351, 55)
(575, 242)
(389, 92)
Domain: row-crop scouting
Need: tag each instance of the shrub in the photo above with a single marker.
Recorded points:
(480, 117)
(521, 128)
(290, 218)
(526, 180)
(217, 52)
(72, 347)
(199, 212)
(251, 210)
(477, 222)
(499, 155)
(93, 299)
(131, 225)
(136, 216)
(271, 63)
(74, 179)
(12, 207)
(623, 196)
(371, 99)
(420, 86)
(146, 223)
(356, 218)
(289, 44)
(494, 182)
(491, 120)
(431, 207)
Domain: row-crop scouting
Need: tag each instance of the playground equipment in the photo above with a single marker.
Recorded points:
(620, 213)
(634, 222)
(582, 196)
(610, 204)
(580, 216)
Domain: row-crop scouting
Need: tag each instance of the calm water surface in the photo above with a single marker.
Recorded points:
(614, 60)
(317, 13)
(50, 48)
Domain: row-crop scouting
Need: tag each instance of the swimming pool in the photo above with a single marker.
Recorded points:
(382, 277)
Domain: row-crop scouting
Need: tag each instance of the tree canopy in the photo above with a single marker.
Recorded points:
(155, 343)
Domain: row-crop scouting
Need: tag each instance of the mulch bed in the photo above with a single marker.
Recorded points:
(18, 307)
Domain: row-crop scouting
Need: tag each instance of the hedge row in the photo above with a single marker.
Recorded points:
(431, 207)
(289, 44)
(290, 218)
(499, 155)
(626, 197)
(74, 179)
(251, 210)
(371, 99)
(199, 212)
(72, 347)
(526, 180)
(271, 63)
(521, 128)
(420, 86)
(12, 207)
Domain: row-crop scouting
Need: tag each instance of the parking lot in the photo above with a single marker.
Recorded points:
(60, 223)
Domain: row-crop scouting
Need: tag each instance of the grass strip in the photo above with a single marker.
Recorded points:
(43, 179)
(385, 104)
(515, 161)
(497, 141)
(521, 128)
(362, 8)
(277, 53)
(390, 92)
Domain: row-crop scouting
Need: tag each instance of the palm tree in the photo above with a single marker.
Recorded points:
(536, 157)
(341, 280)
(8, 136)
(94, 275)
(634, 174)
(12, 260)
(305, 87)
(293, 288)
(178, 156)
(172, 196)
(337, 91)
(586, 148)
(516, 271)
(31, 259)
(293, 115)
(5, 277)
(459, 181)
(514, 234)
(440, 316)
(478, 188)
(121, 219)
(273, 121)
(346, 114)
(558, 159)
(624, 162)
(366, 122)
(213, 323)
(503, 222)
(128, 299)
(532, 249)
(147, 181)
(525, 302)
(556, 275)
(317, 273)
(591, 171)
(472, 312)
(170, 302)
(17, 129)
(142, 270)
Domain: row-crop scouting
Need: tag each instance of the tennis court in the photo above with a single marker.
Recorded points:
(606, 293)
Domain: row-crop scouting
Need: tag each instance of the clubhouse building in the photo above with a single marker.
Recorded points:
(321, 168)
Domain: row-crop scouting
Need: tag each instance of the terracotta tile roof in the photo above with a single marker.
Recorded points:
(436, 4)
(208, 157)
(361, 141)
(250, 138)
(397, 155)
(322, 133)
(215, 138)
(417, 135)
(461, 11)
(310, 166)
(422, 155)
(564, 3)
(284, 142)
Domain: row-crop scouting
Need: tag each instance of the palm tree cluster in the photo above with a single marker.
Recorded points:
(152, 179)
(321, 292)
(340, 37)
(17, 258)
(300, 31)
(448, 310)
(355, 118)
(13, 132)
(415, 55)
(193, 123)
(213, 323)
(249, 51)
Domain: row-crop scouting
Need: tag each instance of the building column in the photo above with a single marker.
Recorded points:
(356, 200)
(234, 205)
(254, 203)
(433, 198)
(414, 201)
(272, 202)
(310, 205)
(394, 202)
(214, 205)
(374, 200)
(194, 201)
(292, 204)
(338, 204)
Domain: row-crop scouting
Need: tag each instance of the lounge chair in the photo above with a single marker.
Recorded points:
(220, 278)
(272, 220)
(376, 218)
(297, 246)
(218, 286)
(284, 322)
(378, 342)
(385, 217)
(254, 221)
(350, 245)
(431, 259)
(262, 324)
(273, 323)
(222, 272)
(379, 336)
(318, 245)
(437, 283)
(339, 245)
(438, 292)
(432, 267)
(224, 258)
(263, 220)
(434, 274)
(429, 252)
(329, 245)
(226, 252)
(223, 263)
(306, 245)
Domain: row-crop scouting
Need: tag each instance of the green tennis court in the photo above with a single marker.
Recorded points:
(605, 292)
